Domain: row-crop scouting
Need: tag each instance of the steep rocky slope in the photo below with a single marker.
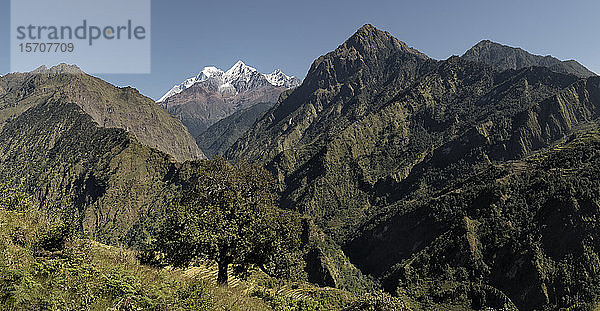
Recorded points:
(109, 106)
(374, 120)
(338, 89)
(222, 135)
(200, 106)
(377, 125)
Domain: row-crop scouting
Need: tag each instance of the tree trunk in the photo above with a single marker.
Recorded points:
(222, 276)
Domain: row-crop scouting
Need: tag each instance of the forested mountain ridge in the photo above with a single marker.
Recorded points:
(522, 234)
(109, 106)
(363, 131)
(87, 152)
(377, 127)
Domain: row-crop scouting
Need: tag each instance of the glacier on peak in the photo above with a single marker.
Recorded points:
(239, 78)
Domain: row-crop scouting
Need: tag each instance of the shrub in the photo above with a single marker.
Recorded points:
(54, 237)
(377, 302)
(193, 297)
(13, 200)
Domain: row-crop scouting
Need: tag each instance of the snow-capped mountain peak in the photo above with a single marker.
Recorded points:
(208, 72)
(278, 78)
(239, 68)
(240, 77)
(240, 72)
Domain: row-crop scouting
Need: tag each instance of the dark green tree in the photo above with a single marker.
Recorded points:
(228, 214)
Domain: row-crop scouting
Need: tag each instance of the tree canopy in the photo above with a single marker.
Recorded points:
(228, 214)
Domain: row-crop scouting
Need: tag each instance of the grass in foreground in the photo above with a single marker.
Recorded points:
(43, 266)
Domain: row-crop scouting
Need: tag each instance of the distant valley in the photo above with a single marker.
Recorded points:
(213, 95)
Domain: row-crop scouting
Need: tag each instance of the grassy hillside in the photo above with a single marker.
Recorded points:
(45, 266)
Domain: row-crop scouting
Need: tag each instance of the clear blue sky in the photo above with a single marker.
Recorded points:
(188, 35)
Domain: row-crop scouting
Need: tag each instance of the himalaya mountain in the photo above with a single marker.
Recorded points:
(238, 78)
(88, 152)
(460, 184)
(109, 107)
(214, 94)
(505, 57)
(425, 172)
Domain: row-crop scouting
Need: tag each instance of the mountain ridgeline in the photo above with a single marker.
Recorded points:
(109, 106)
(504, 57)
(212, 95)
(89, 153)
(377, 127)
(469, 183)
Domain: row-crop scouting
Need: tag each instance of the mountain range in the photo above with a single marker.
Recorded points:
(377, 127)
(214, 94)
(469, 183)
(504, 57)
(237, 79)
